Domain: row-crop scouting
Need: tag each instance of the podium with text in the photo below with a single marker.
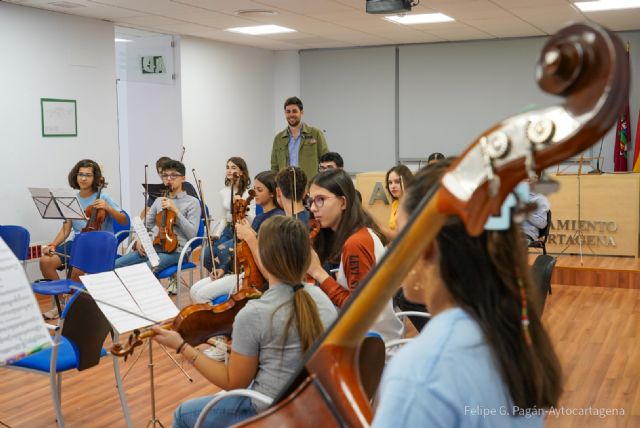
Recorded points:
(609, 214)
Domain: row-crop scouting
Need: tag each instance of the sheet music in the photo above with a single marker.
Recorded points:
(141, 231)
(44, 202)
(106, 287)
(68, 203)
(145, 289)
(22, 329)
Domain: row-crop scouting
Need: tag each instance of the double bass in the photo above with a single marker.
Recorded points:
(585, 64)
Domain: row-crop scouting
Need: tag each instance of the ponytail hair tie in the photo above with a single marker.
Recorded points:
(297, 287)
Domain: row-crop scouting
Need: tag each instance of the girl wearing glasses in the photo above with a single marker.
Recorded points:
(238, 172)
(348, 237)
(85, 177)
(270, 334)
(484, 359)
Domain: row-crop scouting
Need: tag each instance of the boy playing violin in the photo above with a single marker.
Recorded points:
(187, 211)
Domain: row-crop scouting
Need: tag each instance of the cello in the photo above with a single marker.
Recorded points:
(243, 255)
(583, 63)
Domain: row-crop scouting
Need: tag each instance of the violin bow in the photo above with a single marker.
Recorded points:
(207, 228)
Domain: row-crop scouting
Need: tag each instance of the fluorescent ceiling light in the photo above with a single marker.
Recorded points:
(596, 6)
(261, 29)
(423, 18)
(118, 40)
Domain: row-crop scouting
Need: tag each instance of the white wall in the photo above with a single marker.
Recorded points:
(227, 110)
(286, 83)
(448, 94)
(51, 55)
(149, 113)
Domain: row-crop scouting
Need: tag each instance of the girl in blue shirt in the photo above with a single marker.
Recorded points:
(484, 359)
(85, 177)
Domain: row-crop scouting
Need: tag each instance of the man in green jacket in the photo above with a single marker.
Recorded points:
(299, 144)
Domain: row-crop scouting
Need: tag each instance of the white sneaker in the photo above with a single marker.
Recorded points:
(218, 349)
(51, 314)
(172, 288)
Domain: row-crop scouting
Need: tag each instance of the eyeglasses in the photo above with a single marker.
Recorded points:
(318, 201)
(83, 175)
(170, 176)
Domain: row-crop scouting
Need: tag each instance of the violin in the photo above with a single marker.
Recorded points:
(585, 64)
(195, 323)
(166, 240)
(96, 216)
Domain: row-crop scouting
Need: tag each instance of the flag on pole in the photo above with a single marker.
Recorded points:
(623, 136)
(622, 142)
(636, 152)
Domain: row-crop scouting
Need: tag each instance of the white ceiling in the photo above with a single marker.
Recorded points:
(338, 23)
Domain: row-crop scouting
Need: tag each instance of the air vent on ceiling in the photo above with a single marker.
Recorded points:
(66, 4)
(248, 13)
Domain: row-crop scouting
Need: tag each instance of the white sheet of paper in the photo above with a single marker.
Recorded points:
(141, 231)
(106, 287)
(147, 291)
(22, 329)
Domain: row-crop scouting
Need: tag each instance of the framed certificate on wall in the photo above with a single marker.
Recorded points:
(59, 117)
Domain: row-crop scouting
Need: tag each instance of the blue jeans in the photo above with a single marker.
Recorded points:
(134, 257)
(227, 412)
(220, 250)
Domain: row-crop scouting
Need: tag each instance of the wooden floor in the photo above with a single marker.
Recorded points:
(595, 330)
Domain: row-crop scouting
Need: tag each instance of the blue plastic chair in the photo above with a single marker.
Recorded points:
(122, 231)
(74, 347)
(17, 238)
(92, 252)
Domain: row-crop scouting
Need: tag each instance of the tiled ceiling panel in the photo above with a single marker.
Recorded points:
(338, 23)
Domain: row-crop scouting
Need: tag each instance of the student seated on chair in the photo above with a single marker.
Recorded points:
(210, 288)
(270, 334)
(537, 219)
(485, 347)
(349, 238)
(215, 285)
(187, 210)
(151, 198)
(86, 177)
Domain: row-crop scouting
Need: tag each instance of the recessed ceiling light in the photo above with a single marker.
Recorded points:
(261, 29)
(423, 18)
(596, 6)
(118, 40)
(255, 12)
(66, 4)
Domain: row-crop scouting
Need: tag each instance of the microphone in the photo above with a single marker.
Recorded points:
(597, 170)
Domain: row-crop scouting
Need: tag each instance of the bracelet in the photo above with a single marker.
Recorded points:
(180, 348)
(192, 361)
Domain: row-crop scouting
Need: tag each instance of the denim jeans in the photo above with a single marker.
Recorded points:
(220, 250)
(227, 412)
(134, 257)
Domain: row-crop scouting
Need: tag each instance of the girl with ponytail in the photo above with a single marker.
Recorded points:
(270, 335)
